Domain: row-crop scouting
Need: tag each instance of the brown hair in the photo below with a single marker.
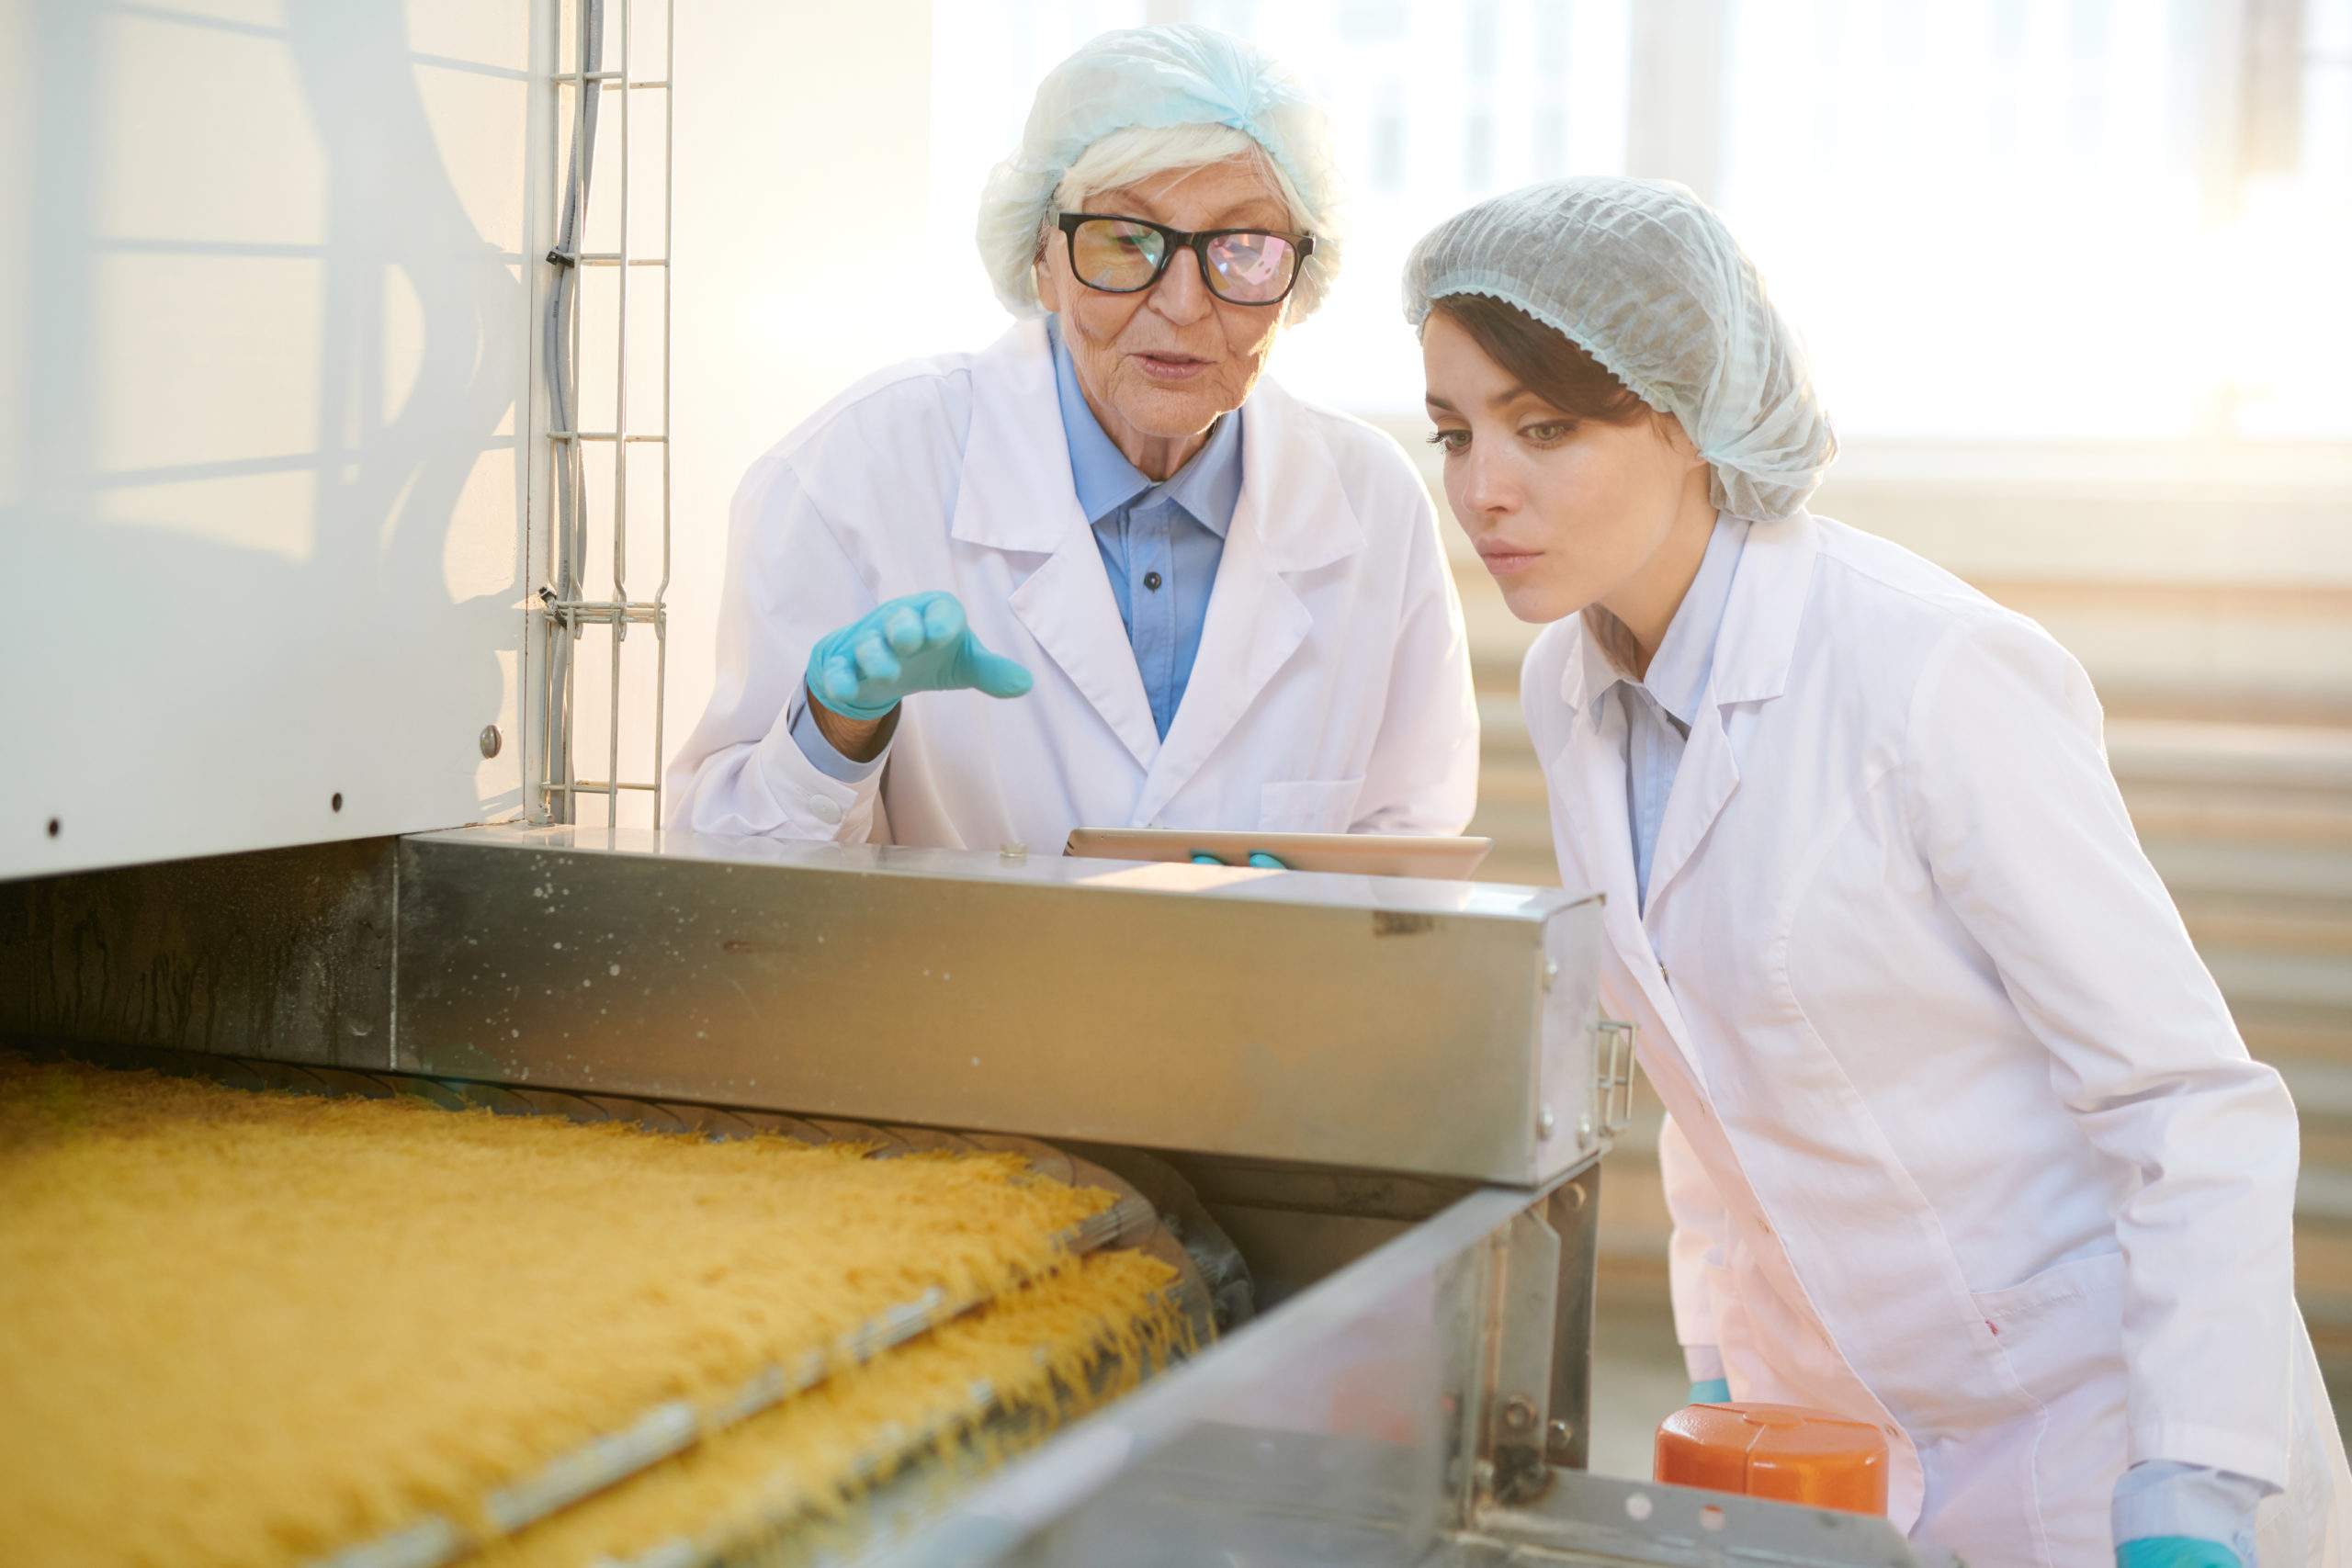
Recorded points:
(1545, 362)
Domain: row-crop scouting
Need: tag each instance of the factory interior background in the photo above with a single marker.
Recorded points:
(2072, 274)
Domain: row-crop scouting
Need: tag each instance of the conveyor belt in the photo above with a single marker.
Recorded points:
(255, 1327)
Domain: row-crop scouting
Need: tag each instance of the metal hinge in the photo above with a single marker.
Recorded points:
(1613, 1074)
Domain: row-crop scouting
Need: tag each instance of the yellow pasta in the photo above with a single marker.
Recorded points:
(251, 1328)
(1063, 1343)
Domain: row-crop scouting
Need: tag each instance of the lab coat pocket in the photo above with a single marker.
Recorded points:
(2062, 1327)
(1309, 807)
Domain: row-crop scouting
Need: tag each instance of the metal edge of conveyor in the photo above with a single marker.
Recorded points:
(1358, 1021)
(1407, 1408)
(1438, 1029)
(1405, 1411)
(1339, 1429)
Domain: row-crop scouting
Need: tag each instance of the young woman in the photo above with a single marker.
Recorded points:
(1961, 1138)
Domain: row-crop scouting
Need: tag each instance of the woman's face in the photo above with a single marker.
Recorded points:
(1159, 367)
(1564, 512)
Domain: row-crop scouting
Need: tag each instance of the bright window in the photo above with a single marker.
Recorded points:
(1992, 219)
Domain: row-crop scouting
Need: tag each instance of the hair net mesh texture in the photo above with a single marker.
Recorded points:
(1643, 276)
(1154, 77)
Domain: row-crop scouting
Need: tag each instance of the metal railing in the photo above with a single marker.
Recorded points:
(565, 609)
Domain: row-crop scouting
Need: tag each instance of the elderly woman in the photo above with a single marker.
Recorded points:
(1101, 573)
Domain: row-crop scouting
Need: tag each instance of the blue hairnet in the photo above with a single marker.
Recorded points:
(1170, 74)
(1643, 276)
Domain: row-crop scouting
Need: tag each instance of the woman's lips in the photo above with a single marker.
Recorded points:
(1162, 367)
(1510, 563)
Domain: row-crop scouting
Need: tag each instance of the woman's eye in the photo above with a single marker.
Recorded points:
(1451, 440)
(1543, 434)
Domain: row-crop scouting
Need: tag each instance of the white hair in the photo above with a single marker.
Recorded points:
(1130, 157)
(1153, 101)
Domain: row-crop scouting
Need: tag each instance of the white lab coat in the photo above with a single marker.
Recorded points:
(1331, 692)
(1962, 1139)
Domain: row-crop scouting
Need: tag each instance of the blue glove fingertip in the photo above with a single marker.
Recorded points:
(943, 619)
(1000, 676)
(904, 631)
(1711, 1390)
(1202, 857)
(2175, 1551)
(1264, 862)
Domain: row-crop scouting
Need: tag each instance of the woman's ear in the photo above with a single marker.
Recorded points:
(1670, 431)
(1041, 272)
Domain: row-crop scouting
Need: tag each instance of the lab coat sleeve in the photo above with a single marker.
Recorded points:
(1423, 776)
(1701, 1225)
(788, 582)
(2019, 819)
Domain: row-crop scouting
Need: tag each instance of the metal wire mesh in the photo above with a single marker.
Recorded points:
(580, 513)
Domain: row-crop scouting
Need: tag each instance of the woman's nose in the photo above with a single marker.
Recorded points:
(1486, 488)
(1182, 294)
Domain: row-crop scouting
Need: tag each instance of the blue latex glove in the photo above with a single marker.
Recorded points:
(920, 643)
(1715, 1391)
(2175, 1551)
(1258, 858)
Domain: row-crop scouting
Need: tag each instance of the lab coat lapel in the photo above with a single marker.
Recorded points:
(1017, 496)
(1599, 846)
(1292, 516)
(1753, 650)
(1066, 606)
(1703, 782)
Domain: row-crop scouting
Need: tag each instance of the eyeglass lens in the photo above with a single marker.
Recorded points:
(1245, 269)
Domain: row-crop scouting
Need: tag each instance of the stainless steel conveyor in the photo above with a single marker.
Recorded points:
(1393, 1097)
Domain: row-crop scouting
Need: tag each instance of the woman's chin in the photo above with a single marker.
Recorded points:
(1539, 604)
(1174, 412)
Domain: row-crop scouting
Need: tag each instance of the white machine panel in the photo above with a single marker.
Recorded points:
(265, 317)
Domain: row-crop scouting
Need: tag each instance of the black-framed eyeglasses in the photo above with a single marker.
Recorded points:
(1128, 255)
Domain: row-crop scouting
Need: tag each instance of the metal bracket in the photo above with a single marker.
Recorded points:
(1597, 1518)
(1613, 1074)
(1520, 1308)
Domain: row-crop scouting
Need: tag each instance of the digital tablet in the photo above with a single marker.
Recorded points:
(1359, 855)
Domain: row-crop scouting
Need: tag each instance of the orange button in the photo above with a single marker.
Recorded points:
(1777, 1451)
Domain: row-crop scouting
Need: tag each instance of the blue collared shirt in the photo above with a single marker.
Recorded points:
(1160, 545)
(1660, 705)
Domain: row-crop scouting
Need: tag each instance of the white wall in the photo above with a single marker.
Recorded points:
(263, 318)
(799, 127)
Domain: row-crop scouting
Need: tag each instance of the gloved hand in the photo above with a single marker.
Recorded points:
(920, 643)
(1713, 1391)
(1258, 858)
(2175, 1551)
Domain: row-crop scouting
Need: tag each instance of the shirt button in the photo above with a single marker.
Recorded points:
(1151, 579)
(825, 809)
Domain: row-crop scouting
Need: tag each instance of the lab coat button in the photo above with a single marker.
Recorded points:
(825, 809)
(1152, 580)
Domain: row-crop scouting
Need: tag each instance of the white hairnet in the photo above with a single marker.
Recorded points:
(1643, 276)
(1154, 77)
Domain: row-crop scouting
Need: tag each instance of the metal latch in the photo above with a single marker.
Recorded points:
(1613, 1074)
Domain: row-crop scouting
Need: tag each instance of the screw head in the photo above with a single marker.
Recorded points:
(491, 740)
(1519, 1412)
(1544, 1121)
